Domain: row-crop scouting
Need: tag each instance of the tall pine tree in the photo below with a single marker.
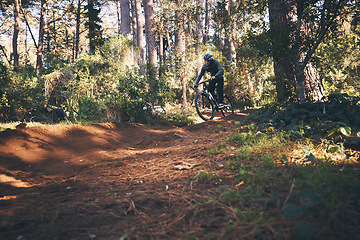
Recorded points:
(95, 32)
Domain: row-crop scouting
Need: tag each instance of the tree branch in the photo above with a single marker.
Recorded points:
(322, 32)
(3, 50)
(27, 24)
(65, 12)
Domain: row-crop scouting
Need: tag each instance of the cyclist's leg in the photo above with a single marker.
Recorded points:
(220, 89)
(211, 87)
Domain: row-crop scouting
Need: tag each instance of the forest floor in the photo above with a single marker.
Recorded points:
(115, 181)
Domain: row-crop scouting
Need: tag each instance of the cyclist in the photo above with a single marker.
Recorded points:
(217, 76)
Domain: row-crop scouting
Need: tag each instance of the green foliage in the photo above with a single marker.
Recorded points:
(205, 176)
(339, 114)
(21, 94)
(106, 87)
(124, 103)
(53, 62)
(308, 196)
(98, 87)
(88, 109)
(178, 119)
(305, 231)
(218, 149)
(254, 71)
(305, 199)
(95, 76)
(4, 92)
(338, 58)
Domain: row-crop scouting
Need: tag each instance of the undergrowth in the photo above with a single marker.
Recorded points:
(292, 186)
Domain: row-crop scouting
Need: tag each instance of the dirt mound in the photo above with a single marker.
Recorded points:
(102, 181)
(48, 147)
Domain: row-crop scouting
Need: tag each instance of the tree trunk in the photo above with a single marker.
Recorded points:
(168, 42)
(39, 55)
(118, 15)
(29, 28)
(231, 51)
(77, 29)
(150, 32)
(54, 33)
(200, 18)
(248, 81)
(314, 86)
(15, 53)
(133, 21)
(200, 35)
(95, 32)
(295, 73)
(208, 7)
(125, 28)
(308, 82)
(91, 26)
(281, 14)
(180, 47)
(140, 31)
(161, 32)
(161, 49)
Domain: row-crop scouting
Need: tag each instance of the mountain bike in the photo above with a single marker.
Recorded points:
(206, 104)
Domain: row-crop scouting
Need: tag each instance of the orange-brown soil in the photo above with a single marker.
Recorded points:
(111, 180)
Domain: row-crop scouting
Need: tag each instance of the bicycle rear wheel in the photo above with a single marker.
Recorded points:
(228, 108)
(204, 106)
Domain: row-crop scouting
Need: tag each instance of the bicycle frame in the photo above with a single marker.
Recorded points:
(206, 103)
(207, 92)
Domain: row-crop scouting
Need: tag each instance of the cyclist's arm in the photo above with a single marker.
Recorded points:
(202, 72)
(220, 68)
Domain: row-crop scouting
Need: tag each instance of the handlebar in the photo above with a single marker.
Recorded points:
(205, 81)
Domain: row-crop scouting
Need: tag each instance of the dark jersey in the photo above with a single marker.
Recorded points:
(214, 68)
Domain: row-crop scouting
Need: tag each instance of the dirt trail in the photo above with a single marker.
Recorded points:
(106, 181)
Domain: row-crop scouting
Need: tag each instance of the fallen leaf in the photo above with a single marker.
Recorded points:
(239, 184)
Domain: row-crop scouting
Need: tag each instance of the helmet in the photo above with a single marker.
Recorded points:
(208, 57)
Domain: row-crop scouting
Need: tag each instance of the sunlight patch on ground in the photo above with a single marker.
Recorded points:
(13, 181)
(4, 198)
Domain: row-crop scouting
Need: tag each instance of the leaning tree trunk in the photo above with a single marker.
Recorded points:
(39, 55)
(308, 81)
(15, 53)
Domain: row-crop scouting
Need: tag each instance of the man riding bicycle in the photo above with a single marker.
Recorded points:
(217, 76)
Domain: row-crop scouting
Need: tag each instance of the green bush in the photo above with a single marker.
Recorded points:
(340, 110)
(20, 94)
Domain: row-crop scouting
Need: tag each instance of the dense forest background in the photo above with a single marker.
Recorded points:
(114, 60)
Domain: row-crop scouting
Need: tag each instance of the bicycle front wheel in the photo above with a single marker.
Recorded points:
(204, 106)
(228, 108)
